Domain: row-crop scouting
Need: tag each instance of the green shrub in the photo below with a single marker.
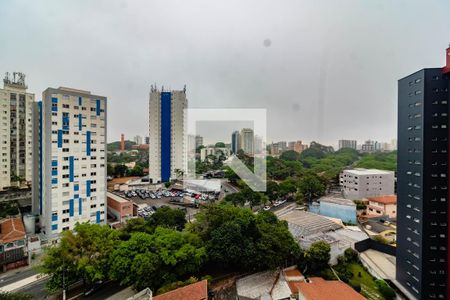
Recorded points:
(387, 292)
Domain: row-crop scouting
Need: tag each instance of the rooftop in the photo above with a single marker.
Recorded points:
(388, 199)
(116, 197)
(360, 171)
(11, 229)
(302, 223)
(195, 291)
(337, 200)
(319, 289)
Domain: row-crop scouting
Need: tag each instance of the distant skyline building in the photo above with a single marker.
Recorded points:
(352, 144)
(235, 142)
(168, 149)
(138, 140)
(122, 142)
(69, 179)
(423, 244)
(258, 144)
(198, 141)
(297, 146)
(247, 141)
(147, 140)
(371, 146)
(16, 124)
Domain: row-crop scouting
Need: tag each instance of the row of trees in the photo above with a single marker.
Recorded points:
(165, 252)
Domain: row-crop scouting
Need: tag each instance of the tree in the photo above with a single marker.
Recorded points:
(387, 292)
(168, 217)
(120, 170)
(238, 239)
(253, 198)
(136, 171)
(81, 256)
(236, 199)
(219, 145)
(151, 260)
(272, 190)
(311, 187)
(317, 256)
(287, 187)
(290, 155)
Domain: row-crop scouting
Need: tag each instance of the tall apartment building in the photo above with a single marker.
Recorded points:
(247, 141)
(258, 144)
(69, 180)
(423, 183)
(361, 183)
(138, 140)
(235, 142)
(16, 124)
(297, 146)
(352, 144)
(167, 151)
(198, 141)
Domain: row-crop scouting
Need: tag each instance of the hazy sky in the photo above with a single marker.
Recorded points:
(324, 70)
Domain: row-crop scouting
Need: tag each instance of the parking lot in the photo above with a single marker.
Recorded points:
(174, 199)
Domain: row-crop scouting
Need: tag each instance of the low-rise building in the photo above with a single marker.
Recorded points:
(382, 206)
(207, 153)
(195, 291)
(308, 228)
(119, 208)
(360, 183)
(289, 283)
(335, 207)
(12, 243)
(317, 288)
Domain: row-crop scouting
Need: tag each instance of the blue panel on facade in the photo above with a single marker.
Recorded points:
(55, 108)
(80, 101)
(80, 122)
(71, 208)
(54, 172)
(54, 180)
(71, 161)
(97, 107)
(76, 187)
(54, 217)
(97, 217)
(60, 138)
(88, 143)
(88, 188)
(80, 206)
(54, 100)
(55, 227)
(54, 163)
(76, 196)
(65, 121)
(166, 135)
(40, 155)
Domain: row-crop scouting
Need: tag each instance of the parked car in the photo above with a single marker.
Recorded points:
(267, 207)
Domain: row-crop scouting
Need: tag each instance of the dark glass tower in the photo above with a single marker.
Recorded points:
(423, 183)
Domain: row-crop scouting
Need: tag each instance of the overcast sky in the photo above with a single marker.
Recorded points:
(324, 70)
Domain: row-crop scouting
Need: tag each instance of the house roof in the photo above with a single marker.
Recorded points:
(11, 229)
(319, 289)
(195, 291)
(387, 199)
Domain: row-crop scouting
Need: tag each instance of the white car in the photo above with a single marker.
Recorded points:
(267, 207)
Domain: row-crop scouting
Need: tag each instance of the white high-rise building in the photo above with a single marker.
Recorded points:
(16, 134)
(247, 141)
(69, 183)
(167, 151)
(138, 140)
(352, 144)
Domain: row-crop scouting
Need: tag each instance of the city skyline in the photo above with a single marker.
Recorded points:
(264, 66)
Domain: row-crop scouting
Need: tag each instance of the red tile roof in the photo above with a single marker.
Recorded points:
(320, 289)
(11, 229)
(195, 291)
(389, 199)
